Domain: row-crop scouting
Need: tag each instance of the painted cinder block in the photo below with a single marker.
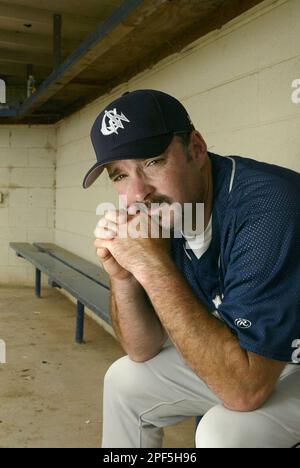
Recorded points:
(41, 197)
(275, 91)
(71, 175)
(4, 138)
(40, 234)
(18, 197)
(32, 177)
(26, 136)
(13, 157)
(275, 143)
(4, 217)
(5, 174)
(74, 152)
(218, 109)
(41, 157)
(277, 33)
(23, 217)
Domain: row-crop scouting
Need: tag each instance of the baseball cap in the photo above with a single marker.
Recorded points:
(138, 125)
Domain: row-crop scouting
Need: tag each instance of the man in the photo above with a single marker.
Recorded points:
(210, 323)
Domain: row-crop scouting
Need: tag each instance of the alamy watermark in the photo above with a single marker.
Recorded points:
(296, 353)
(296, 93)
(2, 352)
(163, 220)
(2, 92)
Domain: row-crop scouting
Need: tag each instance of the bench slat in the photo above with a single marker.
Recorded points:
(89, 269)
(88, 292)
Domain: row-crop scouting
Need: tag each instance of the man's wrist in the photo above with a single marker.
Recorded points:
(155, 267)
(129, 282)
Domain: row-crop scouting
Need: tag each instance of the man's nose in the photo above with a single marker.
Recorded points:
(140, 190)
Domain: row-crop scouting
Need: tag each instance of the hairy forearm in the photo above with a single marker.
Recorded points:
(134, 320)
(205, 343)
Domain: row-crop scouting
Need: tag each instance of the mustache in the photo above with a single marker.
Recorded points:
(147, 205)
(157, 199)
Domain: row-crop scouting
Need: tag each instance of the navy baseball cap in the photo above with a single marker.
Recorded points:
(138, 125)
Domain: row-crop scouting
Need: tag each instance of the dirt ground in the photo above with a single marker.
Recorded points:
(50, 387)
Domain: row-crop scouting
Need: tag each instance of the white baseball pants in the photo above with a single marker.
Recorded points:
(140, 399)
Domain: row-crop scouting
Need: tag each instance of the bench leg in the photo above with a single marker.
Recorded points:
(38, 282)
(79, 322)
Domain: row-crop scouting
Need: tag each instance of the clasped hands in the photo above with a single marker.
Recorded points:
(126, 245)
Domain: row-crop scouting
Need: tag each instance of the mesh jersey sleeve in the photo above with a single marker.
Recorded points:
(261, 301)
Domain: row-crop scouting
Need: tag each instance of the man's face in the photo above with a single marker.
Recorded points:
(168, 178)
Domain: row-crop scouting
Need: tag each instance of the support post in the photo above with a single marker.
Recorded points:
(56, 41)
(37, 282)
(79, 322)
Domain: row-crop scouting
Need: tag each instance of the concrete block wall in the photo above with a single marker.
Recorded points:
(235, 83)
(27, 182)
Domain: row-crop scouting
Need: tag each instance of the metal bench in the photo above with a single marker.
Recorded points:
(80, 278)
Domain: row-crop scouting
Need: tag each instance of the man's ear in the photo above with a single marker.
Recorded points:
(198, 147)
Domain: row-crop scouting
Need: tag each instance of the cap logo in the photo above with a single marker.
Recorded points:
(112, 121)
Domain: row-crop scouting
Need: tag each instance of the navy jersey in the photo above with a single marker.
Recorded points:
(251, 271)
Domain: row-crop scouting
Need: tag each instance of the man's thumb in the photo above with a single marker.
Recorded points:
(104, 253)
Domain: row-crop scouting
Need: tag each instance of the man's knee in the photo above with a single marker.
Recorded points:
(222, 428)
(125, 378)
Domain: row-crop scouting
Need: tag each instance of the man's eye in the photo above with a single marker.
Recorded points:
(153, 162)
(119, 178)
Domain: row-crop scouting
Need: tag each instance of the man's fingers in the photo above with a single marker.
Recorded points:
(102, 243)
(116, 216)
(102, 222)
(103, 253)
(105, 223)
(110, 222)
(103, 233)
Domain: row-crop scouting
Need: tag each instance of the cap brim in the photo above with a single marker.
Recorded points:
(142, 149)
(92, 175)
